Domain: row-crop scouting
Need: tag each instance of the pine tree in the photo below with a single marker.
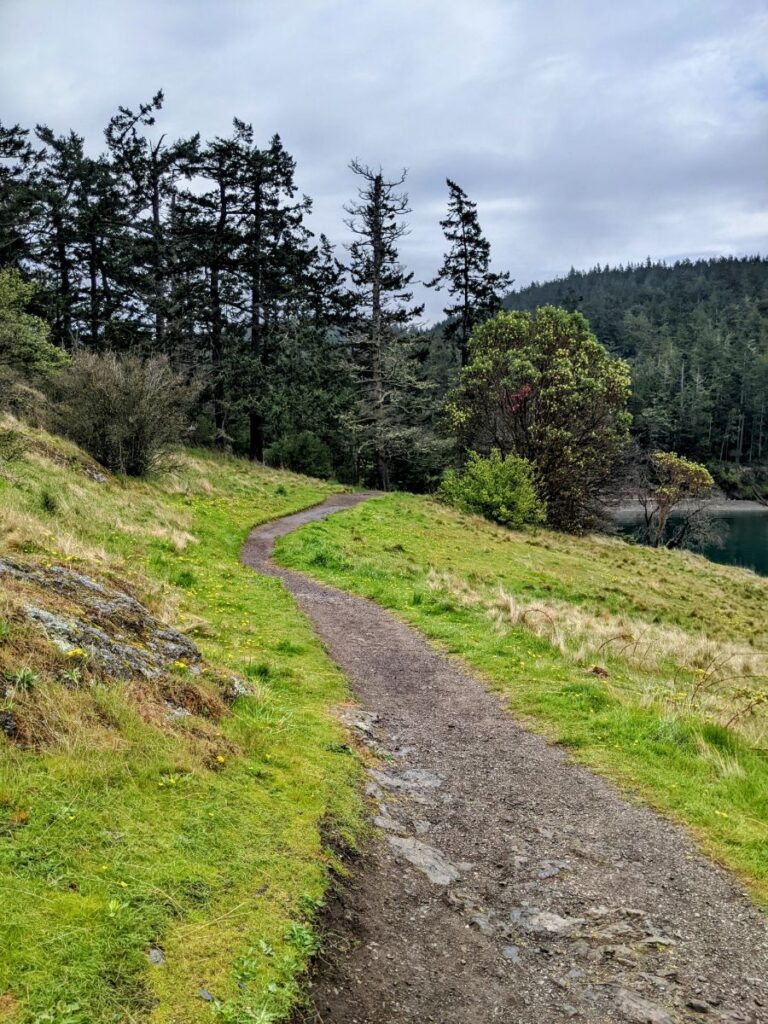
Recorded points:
(466, 273)
(382, 347)
(208, 242)
(18, 158)
(276, 257)
(148, 172)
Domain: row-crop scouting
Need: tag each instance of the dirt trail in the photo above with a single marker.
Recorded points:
(507, 884)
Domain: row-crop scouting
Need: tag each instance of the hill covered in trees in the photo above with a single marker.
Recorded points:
(696, 336)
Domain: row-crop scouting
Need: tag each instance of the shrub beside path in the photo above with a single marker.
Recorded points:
(505, 884)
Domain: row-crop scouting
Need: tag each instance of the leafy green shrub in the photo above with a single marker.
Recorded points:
(501, 489)
(127, 412)
(304, 453)
(24, 338)
(13, 444)
(540, 385)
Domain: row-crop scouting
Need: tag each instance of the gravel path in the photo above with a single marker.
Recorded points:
(506, 884)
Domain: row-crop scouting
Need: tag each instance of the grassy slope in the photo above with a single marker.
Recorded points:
(535, 613)
(118, 836)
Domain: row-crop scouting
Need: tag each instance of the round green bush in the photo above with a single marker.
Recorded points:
(501, 489)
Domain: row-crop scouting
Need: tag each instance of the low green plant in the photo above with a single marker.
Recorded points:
(12, 445)
(24, 678)
(49, 503)
(304, 452)
(500, 489)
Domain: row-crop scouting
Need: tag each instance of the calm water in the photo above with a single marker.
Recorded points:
(746, 542)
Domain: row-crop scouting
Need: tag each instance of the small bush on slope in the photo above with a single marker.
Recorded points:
(500, 489)
(126, 411)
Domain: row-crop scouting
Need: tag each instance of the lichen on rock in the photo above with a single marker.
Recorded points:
(113, 630)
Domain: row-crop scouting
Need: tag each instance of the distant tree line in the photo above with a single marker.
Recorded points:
(201, 251)
(695, 334)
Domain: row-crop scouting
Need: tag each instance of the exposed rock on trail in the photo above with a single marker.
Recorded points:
(507, 885)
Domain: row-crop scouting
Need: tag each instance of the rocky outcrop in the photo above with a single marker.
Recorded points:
(109, 627)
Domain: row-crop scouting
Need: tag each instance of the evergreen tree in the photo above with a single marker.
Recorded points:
(276, 258)
(18, 158)
(209, 242)
(382, 348)
(477, 291)
(148, 172)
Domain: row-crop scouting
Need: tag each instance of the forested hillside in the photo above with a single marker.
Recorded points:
(696, 335)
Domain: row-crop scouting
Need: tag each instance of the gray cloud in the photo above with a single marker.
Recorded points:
(588, 131)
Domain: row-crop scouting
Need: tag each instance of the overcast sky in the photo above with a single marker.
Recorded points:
(587, 130)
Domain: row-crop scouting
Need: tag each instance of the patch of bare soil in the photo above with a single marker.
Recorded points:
(506, 884)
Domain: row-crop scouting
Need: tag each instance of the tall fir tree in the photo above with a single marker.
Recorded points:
(208, 238)
(476, 291)
(383, 349)
(148, 171)
(276, 258)
(18, 159)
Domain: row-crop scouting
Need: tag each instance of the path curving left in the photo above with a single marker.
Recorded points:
(507, 884)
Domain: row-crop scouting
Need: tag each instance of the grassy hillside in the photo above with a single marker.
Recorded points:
(649, 665)
(125, 833)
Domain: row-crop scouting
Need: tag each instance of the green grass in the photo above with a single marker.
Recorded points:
(679, 646)
(119, 836)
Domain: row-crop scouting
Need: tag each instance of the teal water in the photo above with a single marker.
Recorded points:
(745, 542)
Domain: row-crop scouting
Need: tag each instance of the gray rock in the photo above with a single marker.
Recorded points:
(8, 724)
(383, 821)
(116, 631)
(435, 866)
(638, 1010)
(155, 955)
(363, 721)
(413, 780)
(483, 922)
(206, 995)
(542, 922)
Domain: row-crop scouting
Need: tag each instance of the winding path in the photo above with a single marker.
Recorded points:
(506, 884)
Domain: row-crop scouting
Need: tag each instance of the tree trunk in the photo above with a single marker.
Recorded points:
(93, 290)
(377, 340)
(64, 318)
(157, 257)
(217, 326)
(256, 416)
